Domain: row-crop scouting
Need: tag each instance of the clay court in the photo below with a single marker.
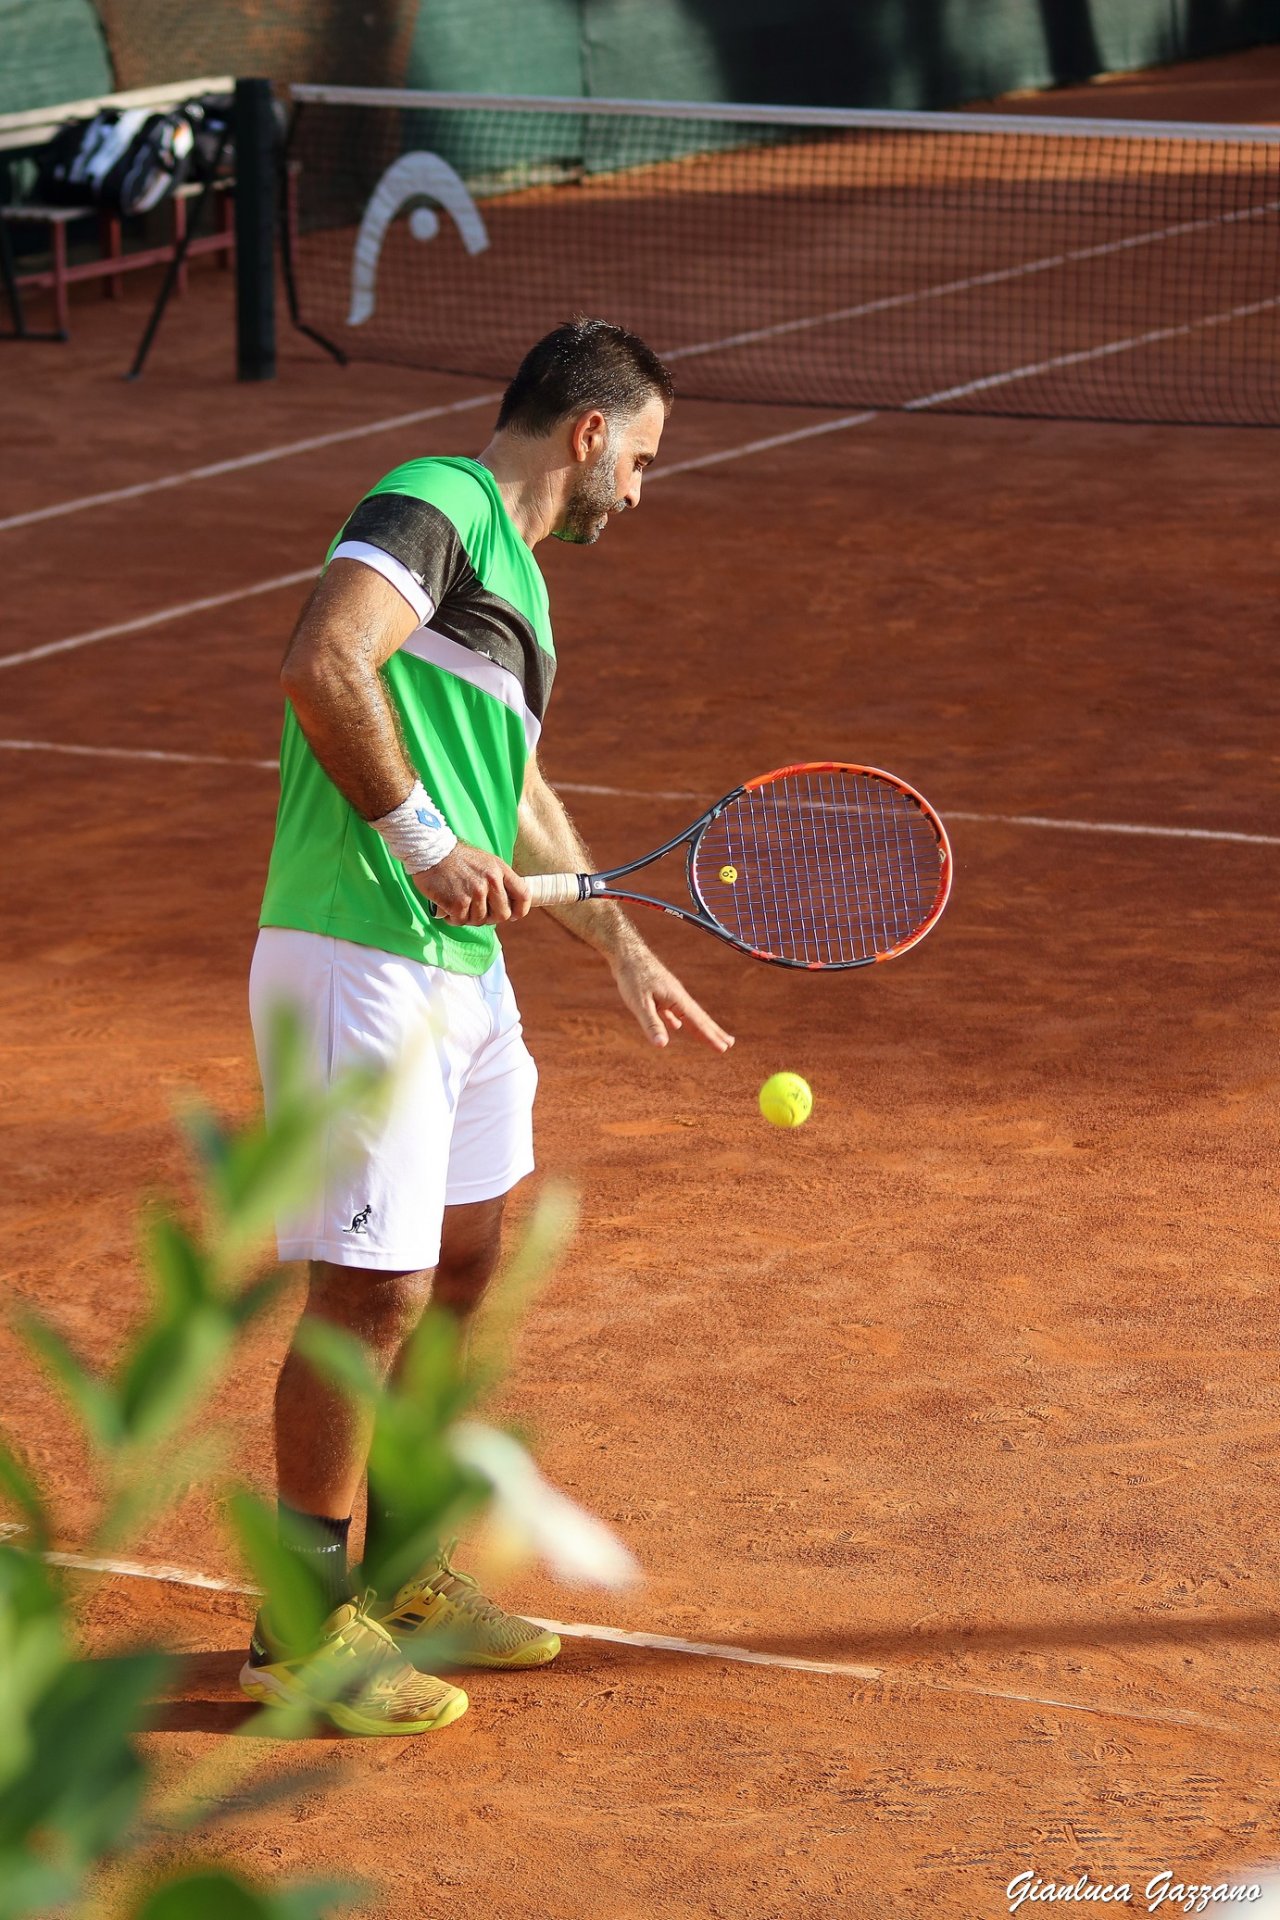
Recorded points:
(946, 1427)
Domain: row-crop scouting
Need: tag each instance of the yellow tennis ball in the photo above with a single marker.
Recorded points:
(728, 875)
(785, 1100)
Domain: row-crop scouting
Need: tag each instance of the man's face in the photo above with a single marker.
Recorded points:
(609, 477)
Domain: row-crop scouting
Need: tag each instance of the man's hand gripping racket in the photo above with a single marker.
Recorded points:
(822, 866)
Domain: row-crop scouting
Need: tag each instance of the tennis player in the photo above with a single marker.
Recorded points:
(411, 803)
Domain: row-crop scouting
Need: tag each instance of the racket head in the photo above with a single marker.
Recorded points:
(825, 865)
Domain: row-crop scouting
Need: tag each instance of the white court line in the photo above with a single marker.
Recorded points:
(243, 460)
(727, 343)
(628, 793)
(1116, 826)
(695, 1649)
(762, 446)
(122, 627)
(135, 1570)
(1084, 354)
(842, 423)
(157, 619)
(668, 793)
(136, 753)
(943, 289)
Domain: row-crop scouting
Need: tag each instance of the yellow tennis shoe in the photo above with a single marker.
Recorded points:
(356, 1676)
(447, 1607)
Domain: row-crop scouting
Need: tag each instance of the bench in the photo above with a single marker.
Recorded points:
(25, 133)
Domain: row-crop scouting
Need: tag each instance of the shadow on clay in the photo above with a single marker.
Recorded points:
(204, 1696)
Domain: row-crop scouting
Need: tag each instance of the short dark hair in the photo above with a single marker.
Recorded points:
(581, 365)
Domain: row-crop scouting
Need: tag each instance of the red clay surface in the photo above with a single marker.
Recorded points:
(972, 1380)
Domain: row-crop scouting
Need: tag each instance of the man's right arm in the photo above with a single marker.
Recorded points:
(332, 675)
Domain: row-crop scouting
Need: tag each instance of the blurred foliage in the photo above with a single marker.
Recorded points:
(75, 1796)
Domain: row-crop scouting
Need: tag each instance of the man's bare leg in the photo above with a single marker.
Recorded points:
(322, 1441)
(442, 1600)
(322, 1436)
(470, 1246)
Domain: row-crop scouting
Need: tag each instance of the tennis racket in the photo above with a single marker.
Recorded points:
(823, 866)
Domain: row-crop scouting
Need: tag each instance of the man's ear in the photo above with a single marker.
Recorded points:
(587, 435)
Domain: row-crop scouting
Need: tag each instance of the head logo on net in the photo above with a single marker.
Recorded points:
(413, 180)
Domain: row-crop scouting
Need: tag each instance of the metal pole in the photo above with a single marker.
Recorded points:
(255, 142)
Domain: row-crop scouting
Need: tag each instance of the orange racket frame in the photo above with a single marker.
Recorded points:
(565, 888)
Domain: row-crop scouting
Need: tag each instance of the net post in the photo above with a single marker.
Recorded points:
(255, 145)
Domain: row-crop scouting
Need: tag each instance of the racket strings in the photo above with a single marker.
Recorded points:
(821, 867)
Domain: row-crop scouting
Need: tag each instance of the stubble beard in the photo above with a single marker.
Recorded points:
(592, 501)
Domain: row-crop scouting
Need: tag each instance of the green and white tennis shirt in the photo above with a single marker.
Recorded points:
(470, 686)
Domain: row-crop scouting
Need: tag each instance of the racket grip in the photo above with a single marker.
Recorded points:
(557, 889)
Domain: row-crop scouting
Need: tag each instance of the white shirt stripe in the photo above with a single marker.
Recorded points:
(393, 571)
(478, 670)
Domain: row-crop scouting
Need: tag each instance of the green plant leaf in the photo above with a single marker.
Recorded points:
(90, 1397)
(341, 1358)
(210, 1139)
(172, 1371)
(175, 1264)
(312, 1899)
(71, 1772)
(27, 1589)
(263, 1171)
(34, 1889)
(214, 1895)
(21, 1492)
(539, 1249)
(33, 1651)
(425, 1490)
(83, 1780)
(146, 1479)
(204, 1896)
(253, 1299)
(432, 1377)
(293, 1593)
(36, 1651)
(271, 1170)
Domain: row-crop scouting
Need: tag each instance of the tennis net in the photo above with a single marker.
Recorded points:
(965, 262)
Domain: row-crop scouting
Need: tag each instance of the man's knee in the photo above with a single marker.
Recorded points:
(381, 1309)
(469, 1251)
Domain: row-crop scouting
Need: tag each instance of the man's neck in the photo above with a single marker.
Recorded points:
(530, 491)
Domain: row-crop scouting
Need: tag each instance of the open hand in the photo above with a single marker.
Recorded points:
(660, 1003)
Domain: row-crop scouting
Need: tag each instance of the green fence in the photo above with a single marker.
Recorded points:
(50, 50)
(896, 53)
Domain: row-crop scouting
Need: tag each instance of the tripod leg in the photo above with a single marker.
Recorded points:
(177, 265)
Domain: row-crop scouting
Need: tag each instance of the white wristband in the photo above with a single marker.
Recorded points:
(416, 832)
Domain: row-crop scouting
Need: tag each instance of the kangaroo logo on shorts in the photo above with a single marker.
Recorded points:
(359, 1221)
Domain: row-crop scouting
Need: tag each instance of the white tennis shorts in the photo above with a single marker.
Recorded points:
(459, 1124)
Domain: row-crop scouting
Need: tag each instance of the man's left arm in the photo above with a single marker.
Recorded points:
(548, 842)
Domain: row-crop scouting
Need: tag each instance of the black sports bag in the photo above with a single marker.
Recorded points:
(126, 160)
